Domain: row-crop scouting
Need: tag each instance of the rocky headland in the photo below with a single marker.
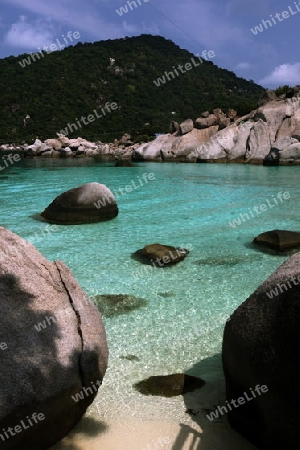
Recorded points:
(268, 135)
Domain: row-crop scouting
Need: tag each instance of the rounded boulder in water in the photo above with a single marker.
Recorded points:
(91, 202)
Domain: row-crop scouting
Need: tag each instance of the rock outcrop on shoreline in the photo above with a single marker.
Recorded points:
(269, 135)
(63, 147)
(260, 347)
(53, 347)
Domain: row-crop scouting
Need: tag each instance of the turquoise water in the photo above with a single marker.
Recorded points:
(188, 304)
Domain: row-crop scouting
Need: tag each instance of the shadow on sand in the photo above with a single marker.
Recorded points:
(208, 435)
(87, 427)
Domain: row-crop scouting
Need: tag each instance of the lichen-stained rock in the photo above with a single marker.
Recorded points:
(55, 347)
(91, 202)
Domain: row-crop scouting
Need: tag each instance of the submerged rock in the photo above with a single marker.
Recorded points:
(230, 260)
(129, 357)
(111, 305)
(261, 347)
(279, 239)
(169, 385)
(91, 202)
(166, 294)
(161, 255)
(55, 347)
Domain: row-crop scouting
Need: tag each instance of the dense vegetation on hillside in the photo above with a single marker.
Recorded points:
(65, 85)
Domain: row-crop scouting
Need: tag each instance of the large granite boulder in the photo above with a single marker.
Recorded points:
(53, 348)
(232, 114)
(172, 147)
(212, 119)
(282, 143)
(285, 150)
(292, 152)
(217, 147)
(32, 149)
(43, 149)
(258, 142)
(186, 126)
(160, 255)
(91, 202)
(55, 144)
(261, 347)
(279, 239)
(201, 123)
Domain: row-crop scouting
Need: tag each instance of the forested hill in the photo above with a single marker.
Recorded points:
(64, 85)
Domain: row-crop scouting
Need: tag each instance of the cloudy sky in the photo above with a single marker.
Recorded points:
(270, 57)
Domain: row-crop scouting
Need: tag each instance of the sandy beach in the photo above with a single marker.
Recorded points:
(158, 431)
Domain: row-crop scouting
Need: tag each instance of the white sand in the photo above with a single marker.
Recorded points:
(141, 435)
(158, 431)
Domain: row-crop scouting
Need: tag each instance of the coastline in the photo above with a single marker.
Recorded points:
(269, 136)
(113, 158)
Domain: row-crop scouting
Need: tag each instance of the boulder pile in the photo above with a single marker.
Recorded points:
(269, 135)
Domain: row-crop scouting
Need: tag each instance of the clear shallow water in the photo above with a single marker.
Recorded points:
(188, 303)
